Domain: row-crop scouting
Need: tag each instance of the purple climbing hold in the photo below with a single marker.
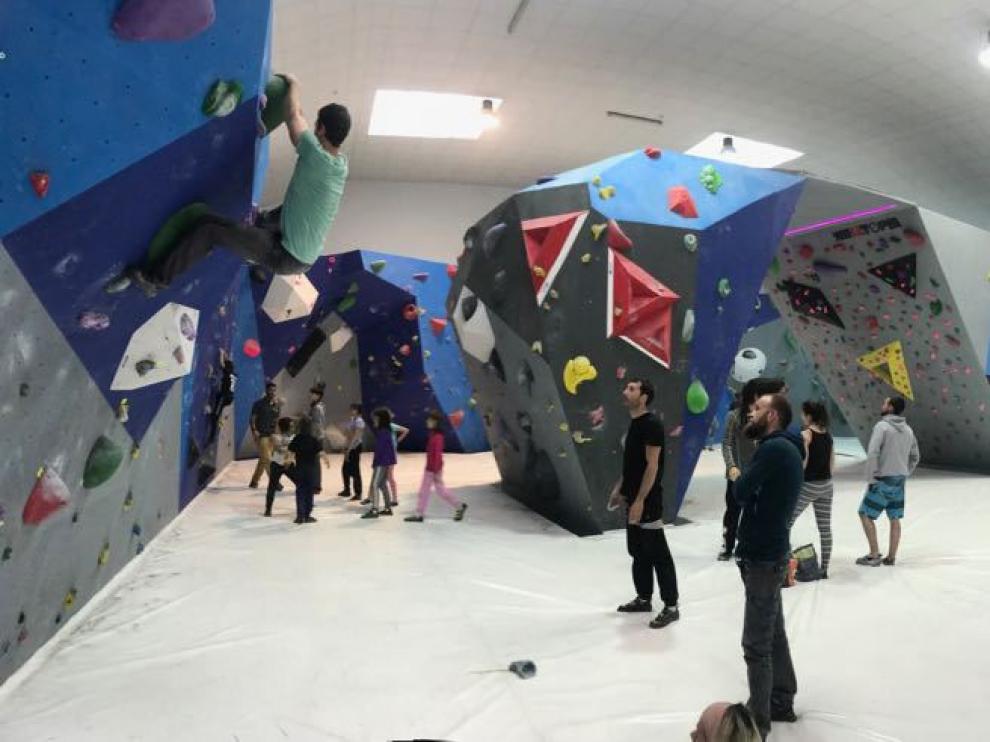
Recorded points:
(94, 321)
(153, 20)
(421, 277)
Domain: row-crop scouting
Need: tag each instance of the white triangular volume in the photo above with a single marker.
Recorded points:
(160, 349)
(340, 337)
(475, 333)
(289, 297)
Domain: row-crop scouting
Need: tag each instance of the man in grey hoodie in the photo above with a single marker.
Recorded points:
(891, 457)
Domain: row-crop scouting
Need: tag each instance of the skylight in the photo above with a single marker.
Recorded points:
(747, 151)
(415, 113)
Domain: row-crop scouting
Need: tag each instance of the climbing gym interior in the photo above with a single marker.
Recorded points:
(513, 212)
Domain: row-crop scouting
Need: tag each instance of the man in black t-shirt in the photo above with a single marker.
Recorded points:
(641, 491)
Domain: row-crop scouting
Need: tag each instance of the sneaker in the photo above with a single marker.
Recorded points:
(385, 511)
(310, 519)
(724, 556)
(870, 561)
(267, 513)
(317, 492)
(355, 498)
(253, 485)
(636, 605)
(371, 514)
(414, 518)
(888, 561)
(343, 493)
(394, 504)
(459, 513)
(785, 715)
(823, 575)
(665, 617)
(366, 501)
(298, 521)
(279, 488)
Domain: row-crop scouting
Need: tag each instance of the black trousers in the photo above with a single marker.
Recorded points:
(221, 402)
(304, 498)
(259, 244)
(351, 470)
(275, 472)
(650, 553)
(730, 521)
(772, 684)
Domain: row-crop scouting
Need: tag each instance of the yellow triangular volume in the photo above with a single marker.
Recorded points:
(887, 364)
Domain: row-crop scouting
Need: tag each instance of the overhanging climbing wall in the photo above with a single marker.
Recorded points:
(860, 282)
(106, 399)
(644, 265)
(372, 327)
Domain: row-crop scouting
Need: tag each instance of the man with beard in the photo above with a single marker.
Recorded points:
(767, 491)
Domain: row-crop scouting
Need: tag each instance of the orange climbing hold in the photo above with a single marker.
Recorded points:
(456, 418)
(49, 495)
(679, 201)
(438, 324)
(451, 270)
(652, 152)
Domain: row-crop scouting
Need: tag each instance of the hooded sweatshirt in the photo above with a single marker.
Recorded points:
(893, 449)
(767, 491)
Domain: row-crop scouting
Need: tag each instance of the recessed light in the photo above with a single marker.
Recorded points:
(742, 151)
(426, 115)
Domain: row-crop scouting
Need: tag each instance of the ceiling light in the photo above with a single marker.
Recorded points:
(731, 148)
(985, 52)
(416, 113)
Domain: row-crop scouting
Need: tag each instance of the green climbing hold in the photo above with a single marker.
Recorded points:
(935, 307)
(273, 114)
(222, 98)
(697, 397)
(724, 287)
(346, 303)
(710, 179)
(174, 228)
(775, 266)
(377, 266)
(103, 460)
(353, 288)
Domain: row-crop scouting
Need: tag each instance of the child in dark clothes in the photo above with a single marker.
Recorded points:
(280, 462)
(307, 449)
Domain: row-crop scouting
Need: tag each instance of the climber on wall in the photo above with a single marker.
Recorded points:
(286, 240)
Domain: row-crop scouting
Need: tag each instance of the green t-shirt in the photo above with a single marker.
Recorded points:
(312, 198)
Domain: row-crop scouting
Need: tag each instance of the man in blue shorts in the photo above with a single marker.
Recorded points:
(890, 459)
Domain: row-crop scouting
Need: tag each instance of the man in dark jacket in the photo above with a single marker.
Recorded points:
(767, 492)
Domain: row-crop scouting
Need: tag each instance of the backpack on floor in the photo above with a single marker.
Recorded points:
(807, 563)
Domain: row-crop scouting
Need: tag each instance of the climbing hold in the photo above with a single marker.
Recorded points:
(39, 182)
(545, 179)
(827, 267)
(586, 258)
(49, 495)
(724, 287)
(676, 432)
(690, 242)
(775, 266)
(806, 251)
(94, 321)
(135, 452)
(122, 411)
(914, 237)
(597, 417)
(620, 373)
(405, 349)
(539, 272)
(377, 266)
(652, 152)
(104, 555)
(576, 371)
(70, 598)
(427, 354)
(888, 365)
(490, 241)
(679, 201)
(410, 312)
(472, 402)
(935, 307)
(710, 178)
(153, 20)
(346, 303)
(579, 437)
(145, 365)
(616, 238)
(102, 462)
(697, 397)
(554, 294)
(289, 297)
(598, 229)
(524, 669)
(456, 418)
(564, 428)
(537, 346)
(687, 329)
(8, 552)
(136, 530)
(129, 501)
(597, 180)
(438, 324)
(25, 389)
(606, 193)
(223, 98)
(421, 277)
(273, 109)
(451, 270)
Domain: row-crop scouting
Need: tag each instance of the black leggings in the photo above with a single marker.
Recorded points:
(259, 245)
(352, 469)
(649, 551)
(730, 521)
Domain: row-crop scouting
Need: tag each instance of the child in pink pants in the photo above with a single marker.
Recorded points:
(433, 476)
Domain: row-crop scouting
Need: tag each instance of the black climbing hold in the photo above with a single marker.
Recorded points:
(469, 305)
(8, 552)
(258, 274)
(496, 366)
(525, 422)
(492, 237)
(144, 366)
(305, 351)
(523, 669)
(25, 389)
(21, 618)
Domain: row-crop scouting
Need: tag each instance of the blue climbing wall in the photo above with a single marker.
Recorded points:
(118, 129)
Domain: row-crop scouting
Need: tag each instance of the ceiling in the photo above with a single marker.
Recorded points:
(882, 93)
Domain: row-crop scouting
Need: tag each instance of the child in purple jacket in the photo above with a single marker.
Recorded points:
(381, 426)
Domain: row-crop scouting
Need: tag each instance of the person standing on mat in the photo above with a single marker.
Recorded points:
(768, 491)
(317, 415)
(891, 458)
(819, 463)
(640, 489)
(433, 475)
(281, 460)
(399, 433)
(307, 450)
(286, 240)
(264, 416)
(351, 469)
(381, 424)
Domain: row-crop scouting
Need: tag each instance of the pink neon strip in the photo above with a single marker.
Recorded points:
(839, 220)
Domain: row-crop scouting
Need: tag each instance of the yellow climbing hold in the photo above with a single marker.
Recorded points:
(104, 556)
(580, 437)
(577, 371)
(537, 347)
(70, 598)
(135, 452)
(539, 272)
(597, 180)
(606, 193)
(40, 473)
(586, 258)
(597, 229)
(564, 427)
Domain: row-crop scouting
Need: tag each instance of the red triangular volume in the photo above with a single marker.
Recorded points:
(548, 242)
(616, 238)
(49, 495)
(680, 202)
(641, 309)
(900, 273)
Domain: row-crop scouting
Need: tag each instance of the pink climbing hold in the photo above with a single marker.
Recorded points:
(49, 495)
(456, 418)
(679, 201)
(410, 312)
(914, 237)
(451, 271)
(652, 152)
(806, 251)
(251, 348)
(616, 238)
(438, 325)
(405, 349)
(154, 20)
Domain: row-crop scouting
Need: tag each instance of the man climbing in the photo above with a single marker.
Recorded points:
(286, 240)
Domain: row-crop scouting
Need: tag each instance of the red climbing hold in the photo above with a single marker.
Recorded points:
(680, 202)
(914, 237)
(410, 312)
(48, 496)
(405, 349)
(616, 238)
(451, 271)
(251, 348)
(652, 152)
(438, 324)
(40, 181)
(806, 251)
(456, 418)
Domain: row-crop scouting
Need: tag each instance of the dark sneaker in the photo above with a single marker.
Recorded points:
(371, 514)
(414, 518)
(394, 504)
(665, 617)
(459, 513)
(784, 715)
(298, 521)
(366, 501)
(636, 605)
(870, 561)
(343, 493)
(279, 488)
(385, 511)
(724, 556)
(253, 485)
(267, 513)
(310, 519)
(823, 575)
(356, 497)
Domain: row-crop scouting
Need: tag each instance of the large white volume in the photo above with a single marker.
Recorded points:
(289, 297)
(160, 349)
